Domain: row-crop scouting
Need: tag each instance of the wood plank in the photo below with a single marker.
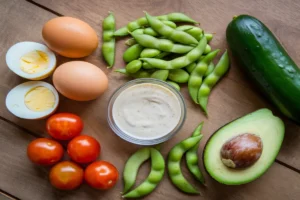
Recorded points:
(235, 96)
(30, 182)
(4, 196)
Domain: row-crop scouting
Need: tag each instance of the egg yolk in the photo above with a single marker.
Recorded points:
(39, 99)
(34, 62)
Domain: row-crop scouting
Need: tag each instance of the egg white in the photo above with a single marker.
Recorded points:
(15, 100)
(18, 50)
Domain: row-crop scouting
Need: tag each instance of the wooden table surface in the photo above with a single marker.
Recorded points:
(22, 20)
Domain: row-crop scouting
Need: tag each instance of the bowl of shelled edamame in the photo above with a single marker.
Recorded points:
(146, 111)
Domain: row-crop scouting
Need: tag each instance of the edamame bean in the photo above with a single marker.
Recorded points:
(149, 53)
(209, 37)
(109, 43)
(210, 69)
(170, 33)
(198, 73)
(178, 76)
(175, 85)
(130, 42)
(150, 31)
(133, 66)
(132, 53)
(169, 23)
(207, 49)
(174, 159)
(160, 44)
(190, 67)
(192, 157)
(153, 179)
(138, 74)
(161, 74)
(141, 22)
(209, 82)
(138, 31)
(179, 62)
(132, 166)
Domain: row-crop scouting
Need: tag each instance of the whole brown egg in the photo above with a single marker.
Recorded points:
(70, 37)
(80, 81)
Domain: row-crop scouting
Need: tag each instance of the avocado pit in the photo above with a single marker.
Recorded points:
(241, 151)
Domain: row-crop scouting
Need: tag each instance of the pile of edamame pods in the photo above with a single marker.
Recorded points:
(189, 147)
(162, 50)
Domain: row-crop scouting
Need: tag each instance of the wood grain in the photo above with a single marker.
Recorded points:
(232, 98)
(235, 96)
(30, 182)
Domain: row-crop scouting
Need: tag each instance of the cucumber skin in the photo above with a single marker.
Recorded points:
(266, 62)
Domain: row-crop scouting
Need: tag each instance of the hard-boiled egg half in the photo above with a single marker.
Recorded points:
(32, 100)
(31, 60)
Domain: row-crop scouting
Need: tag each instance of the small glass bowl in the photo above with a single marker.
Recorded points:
(139, 141)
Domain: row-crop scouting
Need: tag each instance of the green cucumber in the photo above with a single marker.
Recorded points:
(264, 59)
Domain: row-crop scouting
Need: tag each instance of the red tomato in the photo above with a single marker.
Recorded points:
(66, 175)
(84, 149)
(64, 126)
(44, 151)
(101, 175)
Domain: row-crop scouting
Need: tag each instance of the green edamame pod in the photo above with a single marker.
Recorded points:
(161, 74)
(169, 23)
(194, 31)
(159, 56)
(177, 17)
(210, 81)
(192, 157)
(166, 45)
(185, 27)
(178, 76)
(138, 74)
(109, 43)
(190, 67)
(138, 31)
(198, 73)
(132, 53)
(150, 31)
(162, 55)
(210, 69)
(149, 53)
(153, 179)
(133, 66)
(170, 33)
(209, 37)
(130, 42)
(207, 49)
(141, 22)
(132, 166)
(179, 62)
(175, 85)
(147, 66)
(174, 159)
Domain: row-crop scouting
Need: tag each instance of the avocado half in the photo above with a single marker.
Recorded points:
(261, 123)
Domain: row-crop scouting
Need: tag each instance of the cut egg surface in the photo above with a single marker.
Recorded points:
(31, 60)
(32, 100)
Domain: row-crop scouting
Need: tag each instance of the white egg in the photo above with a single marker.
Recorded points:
(31, 60)
(32, 100)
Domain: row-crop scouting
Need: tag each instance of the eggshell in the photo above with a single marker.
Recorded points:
(70, 37)
(79, 80)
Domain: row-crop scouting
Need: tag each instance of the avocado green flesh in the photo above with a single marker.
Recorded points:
(261, 123)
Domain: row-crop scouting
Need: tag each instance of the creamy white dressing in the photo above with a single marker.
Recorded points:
(146, 111)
